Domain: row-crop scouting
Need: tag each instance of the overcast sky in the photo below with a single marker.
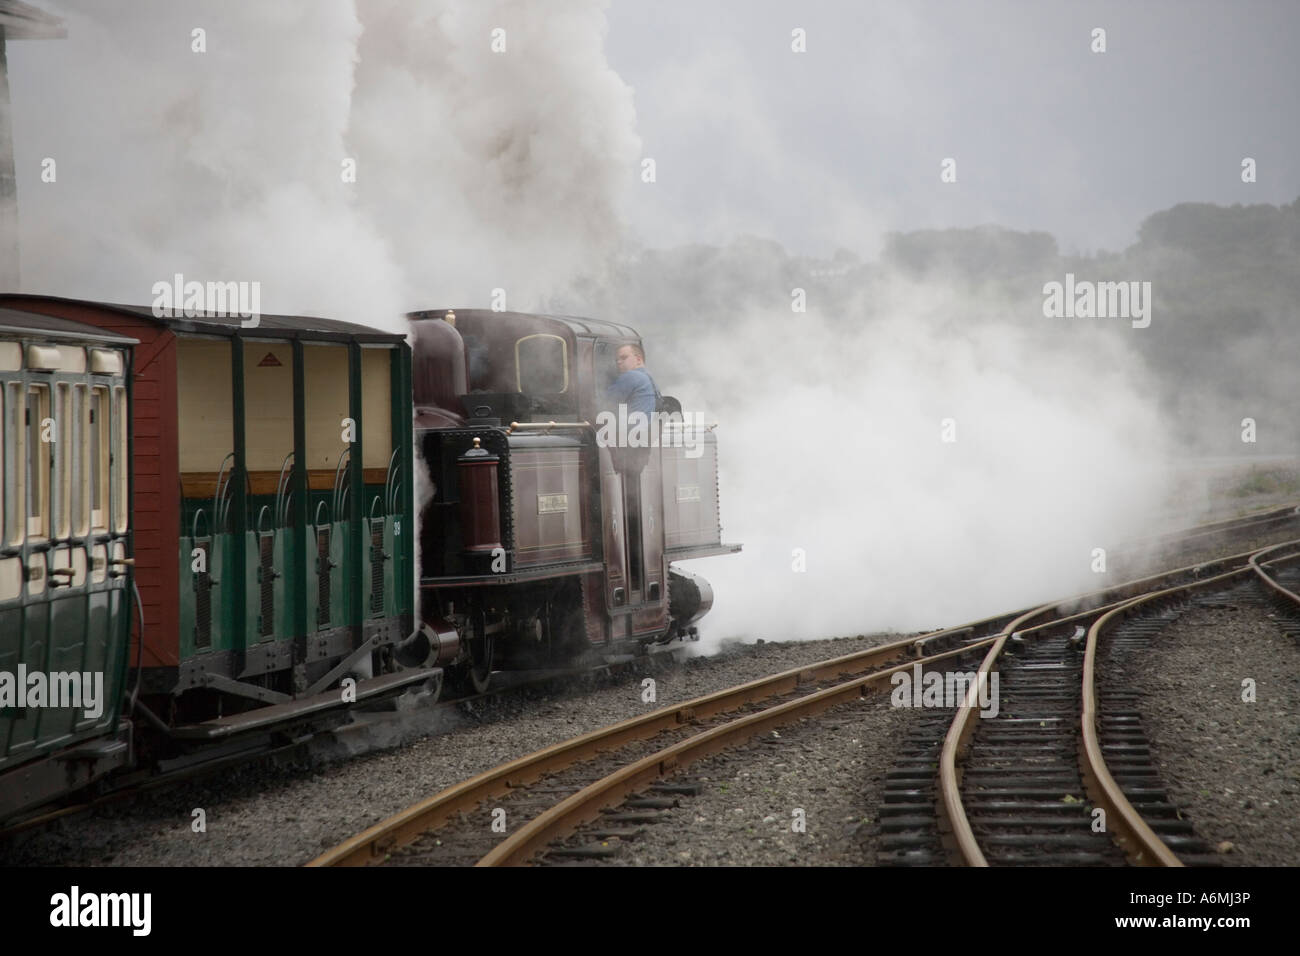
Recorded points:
(834, 146)
(829, 148)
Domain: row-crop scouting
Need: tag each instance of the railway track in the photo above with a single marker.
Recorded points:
(1215, 533)
(624, 768)
(692, 730)
(1064, 774)
(1277, 570)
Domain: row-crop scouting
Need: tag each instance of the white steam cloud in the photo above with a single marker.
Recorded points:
(832, 444)
(491, 170)
(478, 170)
(475, 170)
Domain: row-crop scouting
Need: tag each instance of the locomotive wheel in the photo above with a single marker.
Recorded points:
(481, 653)
(480, 665)
(441, 686)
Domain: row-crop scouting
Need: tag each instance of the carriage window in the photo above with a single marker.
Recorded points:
(542, 365)
(80, 470)
(63, 446)
(39, 434)
(15, 474)
(120, 460)
(99, 458)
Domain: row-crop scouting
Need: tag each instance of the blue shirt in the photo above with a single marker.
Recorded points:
(635, 389)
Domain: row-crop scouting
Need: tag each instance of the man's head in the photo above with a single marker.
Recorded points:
(629, 357)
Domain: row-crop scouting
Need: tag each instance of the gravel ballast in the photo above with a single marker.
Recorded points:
(267, 817)
(1231, 766)
(804, 795)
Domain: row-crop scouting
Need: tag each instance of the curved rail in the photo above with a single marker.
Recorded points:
(959, 733)
(1142, 845)
(1138, 840)
(587, 803)
(377, 842)
(1267, 580)
(374, 843)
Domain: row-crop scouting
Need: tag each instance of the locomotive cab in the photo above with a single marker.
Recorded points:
(536, 547)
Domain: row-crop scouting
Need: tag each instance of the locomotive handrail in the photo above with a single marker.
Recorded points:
(675, 423)
(549, 426)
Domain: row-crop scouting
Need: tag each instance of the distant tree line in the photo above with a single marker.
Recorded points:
(1223, 344)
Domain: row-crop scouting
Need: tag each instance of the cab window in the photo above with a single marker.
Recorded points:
(542, 365)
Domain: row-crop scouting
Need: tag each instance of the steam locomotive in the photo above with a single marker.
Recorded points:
(218, 518)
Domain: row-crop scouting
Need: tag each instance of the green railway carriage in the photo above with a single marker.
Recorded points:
(273, 532)
(64, 554)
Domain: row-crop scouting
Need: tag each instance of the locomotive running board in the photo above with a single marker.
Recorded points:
(515, 577)
(264, 716)
(700, 551)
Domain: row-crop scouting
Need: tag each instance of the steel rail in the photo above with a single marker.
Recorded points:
(1142, 845)
(1103, 788)
(1268, 582)
(585, 805)
(1261, 518)
(376, 842)
(952, 811)
(1139, 842)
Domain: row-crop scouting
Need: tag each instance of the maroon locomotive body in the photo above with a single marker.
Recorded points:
(535, 548)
